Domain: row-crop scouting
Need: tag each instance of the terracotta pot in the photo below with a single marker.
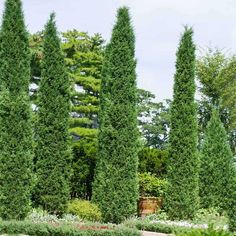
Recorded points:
(149, 205)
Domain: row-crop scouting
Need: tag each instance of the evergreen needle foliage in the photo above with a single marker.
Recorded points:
(231, 206)
(182, 196)
(216, 164)
(53, 156)
(115, 189)
(15, 115)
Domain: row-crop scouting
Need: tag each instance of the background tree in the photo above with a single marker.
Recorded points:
(53, 156)
(216, 165)
(154, 161)
(15, 115)
(115, 188)
(216, 72)
(153, 119)
(182, 196)
(84, 57)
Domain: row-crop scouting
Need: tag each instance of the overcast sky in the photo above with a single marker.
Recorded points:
(157, 23)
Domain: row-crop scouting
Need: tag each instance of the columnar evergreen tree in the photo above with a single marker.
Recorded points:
(231, 206)
(115, 188)
(84, 57)
(182, 196)
(216, 164)
(53, 154)
(15, 115)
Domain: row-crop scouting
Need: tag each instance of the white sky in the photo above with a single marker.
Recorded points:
(157, 23)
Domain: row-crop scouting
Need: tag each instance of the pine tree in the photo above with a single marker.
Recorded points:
(84, 57)
(53, 154)
(182, 196)
(115, 188)
(216, 164)
(16, 146)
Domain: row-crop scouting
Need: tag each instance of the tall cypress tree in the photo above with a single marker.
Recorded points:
(53, 154)
(182, 196)
(115, 188)
(216, 164)
(15, 115)
(231, 206)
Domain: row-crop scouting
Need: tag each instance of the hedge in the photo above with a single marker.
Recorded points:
(156, 227)
(201, 232)
(55, 229)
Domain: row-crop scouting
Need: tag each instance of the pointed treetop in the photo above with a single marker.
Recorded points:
(13, 10)
(14, 49)
(123, 25)
(52, 16)
(52, 21)
(123, 12)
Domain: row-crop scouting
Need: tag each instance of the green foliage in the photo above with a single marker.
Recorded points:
(182, 194)
(155, 224)
(84, 210)
(153, 119)
(115, 188)
(211, 217)
(216, 165)
(15, 115)
(153, 160)
(84, 56)
(53, 156)
(215, 72)
(147, 224)
(15, 156)
(42, 229)
(151, 186)
(14, 49)
(205, 232)
(157, 227)
(231, 206)
(38, 215)
(84, 162)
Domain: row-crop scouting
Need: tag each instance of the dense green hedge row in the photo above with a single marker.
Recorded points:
(43, 229)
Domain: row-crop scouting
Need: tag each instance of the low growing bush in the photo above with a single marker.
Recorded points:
(84, 210)
(151, 186)
(43, 229)
(211, 217)
(151, 223)
(41, 216)
(208, 232)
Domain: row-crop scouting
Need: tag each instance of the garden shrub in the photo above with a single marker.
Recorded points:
(29, 228)
(84, 210)
(201, 232)
(211, 217)
(41, 216)
(151, 186)
(153, 160)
